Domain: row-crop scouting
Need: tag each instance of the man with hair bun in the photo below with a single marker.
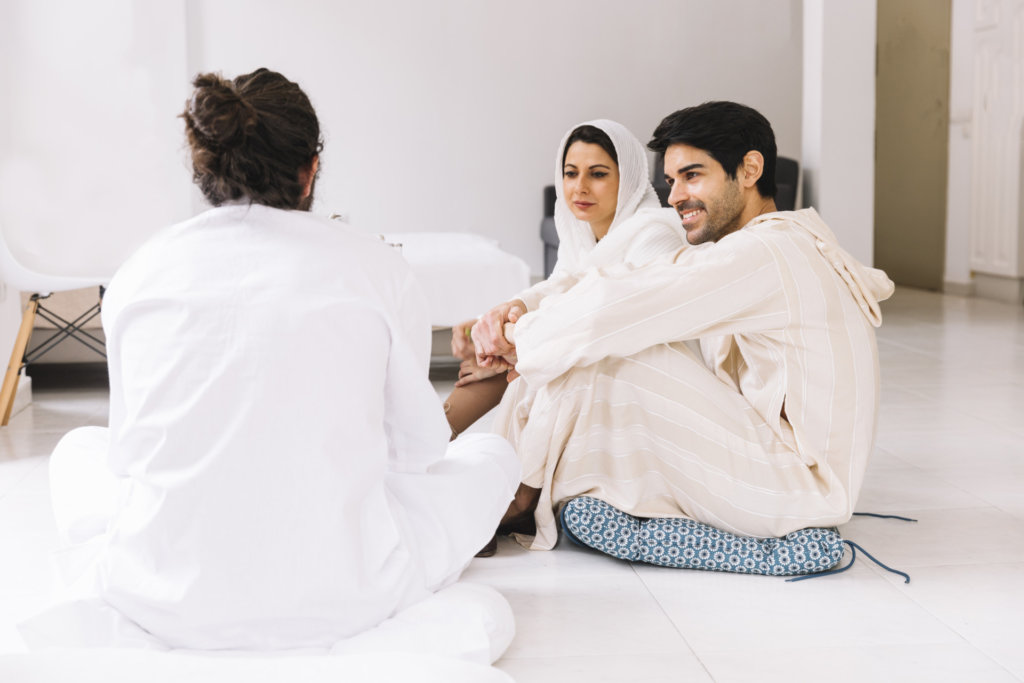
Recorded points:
(767, 433)
(277, 472)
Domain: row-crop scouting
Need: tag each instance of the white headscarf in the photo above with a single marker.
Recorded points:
(576, 238)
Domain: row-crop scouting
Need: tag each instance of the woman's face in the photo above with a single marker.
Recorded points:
(590, 185)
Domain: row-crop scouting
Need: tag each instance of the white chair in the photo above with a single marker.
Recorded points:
(20, 273)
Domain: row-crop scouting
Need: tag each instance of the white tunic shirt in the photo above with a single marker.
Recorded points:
(268, 373)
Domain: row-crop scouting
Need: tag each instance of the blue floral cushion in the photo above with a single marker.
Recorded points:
(686, 544)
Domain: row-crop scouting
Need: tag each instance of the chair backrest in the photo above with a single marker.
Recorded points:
(787, 174)
(94, 163)
(16, 273)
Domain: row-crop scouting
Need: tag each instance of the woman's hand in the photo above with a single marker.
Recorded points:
(489, 335)
(470, 372)
(462, 342)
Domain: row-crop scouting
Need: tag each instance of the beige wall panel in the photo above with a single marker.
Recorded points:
(912, 98)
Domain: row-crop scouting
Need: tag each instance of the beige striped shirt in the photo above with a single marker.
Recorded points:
(771, 432)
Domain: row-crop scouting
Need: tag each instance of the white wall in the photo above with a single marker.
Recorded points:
(439, 115)
(997, 150)
(957, 278)
(91, 158)
(445, 115)
(93, 163)
(90, 151)
(839, 119)
(9, 313)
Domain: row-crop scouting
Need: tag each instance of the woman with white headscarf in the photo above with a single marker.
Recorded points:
(606, 213)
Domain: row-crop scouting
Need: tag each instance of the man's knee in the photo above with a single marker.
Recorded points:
(481, 448)
(80, 448)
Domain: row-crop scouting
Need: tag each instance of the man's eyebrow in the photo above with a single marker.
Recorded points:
(684, 169)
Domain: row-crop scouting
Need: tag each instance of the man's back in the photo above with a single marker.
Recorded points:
(277, 472)
(250, 351)
(813, 378)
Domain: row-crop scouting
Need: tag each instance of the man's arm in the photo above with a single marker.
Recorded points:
(559, 281)
(489, 334)
(414, 421)
(728, 288)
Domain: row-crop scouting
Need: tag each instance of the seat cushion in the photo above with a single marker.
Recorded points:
(688, 544)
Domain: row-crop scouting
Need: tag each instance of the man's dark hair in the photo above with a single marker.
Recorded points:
(594, 136)
(726, 131)
(250, 138)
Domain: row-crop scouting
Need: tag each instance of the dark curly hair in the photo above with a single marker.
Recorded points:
(251, 138)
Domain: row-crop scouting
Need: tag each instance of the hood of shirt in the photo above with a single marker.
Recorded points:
(868, 285)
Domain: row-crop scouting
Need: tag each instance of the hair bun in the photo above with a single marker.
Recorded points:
(252, 137)
(219, 114)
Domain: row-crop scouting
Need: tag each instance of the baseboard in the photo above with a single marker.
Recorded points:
(958, 288)
(1009, 290)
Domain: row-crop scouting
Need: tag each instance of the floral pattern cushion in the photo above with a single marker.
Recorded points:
(687, 544)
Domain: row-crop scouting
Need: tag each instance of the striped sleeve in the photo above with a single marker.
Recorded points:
(733, 287)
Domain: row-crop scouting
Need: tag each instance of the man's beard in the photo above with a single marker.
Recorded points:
(721, 218)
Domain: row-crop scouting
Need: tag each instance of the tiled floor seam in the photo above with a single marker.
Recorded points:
(672, 621)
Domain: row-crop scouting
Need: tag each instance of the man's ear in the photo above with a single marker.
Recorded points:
(306, 176)
(751, 168)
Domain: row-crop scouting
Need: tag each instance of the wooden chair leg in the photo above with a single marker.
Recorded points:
(10, 386)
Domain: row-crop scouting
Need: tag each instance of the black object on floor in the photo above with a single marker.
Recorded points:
(67, 375)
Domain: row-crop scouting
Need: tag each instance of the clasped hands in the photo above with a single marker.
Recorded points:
(483, 346)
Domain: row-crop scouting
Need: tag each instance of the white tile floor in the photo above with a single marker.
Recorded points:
(950, 452)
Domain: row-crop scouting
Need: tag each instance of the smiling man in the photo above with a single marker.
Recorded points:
(766, 433)
(718, 184)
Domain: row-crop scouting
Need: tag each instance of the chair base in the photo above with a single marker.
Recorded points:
(10, 385)
(21, 356)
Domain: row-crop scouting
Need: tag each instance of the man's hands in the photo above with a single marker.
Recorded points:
(482, 346)
(493, 350)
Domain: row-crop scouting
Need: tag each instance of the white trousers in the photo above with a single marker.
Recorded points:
(446, 515)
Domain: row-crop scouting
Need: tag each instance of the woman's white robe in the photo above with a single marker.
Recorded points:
(276, 455)
(769, 433)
